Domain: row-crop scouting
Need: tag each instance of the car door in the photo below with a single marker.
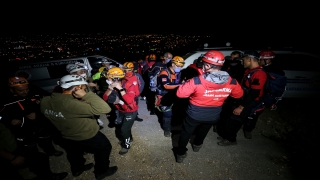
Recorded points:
(303, 74)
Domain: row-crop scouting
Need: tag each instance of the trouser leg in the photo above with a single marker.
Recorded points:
(100, 147)
(74, 152)
(233, 125)
(250, 122)
(127, 123)
(46, 145)
(188, 128)
(202, 131)
(166, 118)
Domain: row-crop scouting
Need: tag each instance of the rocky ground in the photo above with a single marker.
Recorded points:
(284, 146)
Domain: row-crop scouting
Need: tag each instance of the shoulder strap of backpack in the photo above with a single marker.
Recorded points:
(196, 80)
(233, 81)
(251, 73)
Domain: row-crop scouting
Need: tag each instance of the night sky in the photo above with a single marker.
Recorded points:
(293, 23)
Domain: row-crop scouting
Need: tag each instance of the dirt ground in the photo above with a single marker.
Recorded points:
(283, 147)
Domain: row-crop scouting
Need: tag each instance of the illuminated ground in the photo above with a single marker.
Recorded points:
(264, 157)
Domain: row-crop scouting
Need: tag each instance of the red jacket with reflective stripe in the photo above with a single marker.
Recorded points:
(206, 99)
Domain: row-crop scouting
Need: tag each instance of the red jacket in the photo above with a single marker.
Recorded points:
(130, 84)
(206, 98)
(258, 79)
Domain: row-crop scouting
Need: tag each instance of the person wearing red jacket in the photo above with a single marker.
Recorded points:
(123, 92)
(207, 94)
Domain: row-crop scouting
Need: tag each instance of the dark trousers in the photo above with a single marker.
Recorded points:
(99, 146)
(46, 144)
(230, 124)
(150, 97)
(166, 117)
(188, 127)
(126, 126)
(251, 121)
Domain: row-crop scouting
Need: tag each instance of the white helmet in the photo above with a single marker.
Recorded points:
(71, 80)
(71, 68)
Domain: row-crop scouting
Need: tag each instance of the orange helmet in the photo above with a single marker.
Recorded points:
(128, 65)
(179, 61)
(152, 57)
(17, 81)
(114, 73)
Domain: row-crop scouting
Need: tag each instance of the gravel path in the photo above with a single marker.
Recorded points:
(264, 157)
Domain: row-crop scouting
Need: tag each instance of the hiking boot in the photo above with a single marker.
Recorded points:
(167, 133)
(196, 148)
(138, 119)
(225, 142)
(109, 172)
(152, 113)
(86, 167)
(131, 139)
(247, 134)
(123, 151)
(180, 158)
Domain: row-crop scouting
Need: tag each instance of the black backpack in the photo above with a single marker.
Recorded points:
(274, 88)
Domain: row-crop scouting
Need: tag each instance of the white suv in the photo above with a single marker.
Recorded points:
(302, 70)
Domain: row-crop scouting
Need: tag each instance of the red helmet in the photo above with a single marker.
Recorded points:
(267, 54)
(213, 57)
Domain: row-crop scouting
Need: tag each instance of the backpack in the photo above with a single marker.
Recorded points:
(274, 88)
(154, 80)
(140, 82)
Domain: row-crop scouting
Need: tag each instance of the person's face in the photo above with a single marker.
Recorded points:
(263, 62)
(22, 91)
(82, 71)
(127, 70)
(233, 56)
(246, 62)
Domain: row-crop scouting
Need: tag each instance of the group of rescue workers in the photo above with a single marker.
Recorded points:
(220, 91)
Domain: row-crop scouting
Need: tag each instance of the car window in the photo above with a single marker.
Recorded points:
(58, 70)
(298, 62)
(188, 55)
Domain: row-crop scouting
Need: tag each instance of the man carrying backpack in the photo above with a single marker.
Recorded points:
(277, 79)
(151, 73)
(250, 107)
(266, 60)
(167, 81)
